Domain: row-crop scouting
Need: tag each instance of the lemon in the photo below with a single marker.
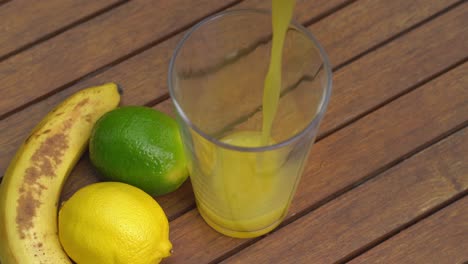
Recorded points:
(139, 146)
(112, 222)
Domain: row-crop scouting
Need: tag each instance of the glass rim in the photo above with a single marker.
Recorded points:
(290, 140)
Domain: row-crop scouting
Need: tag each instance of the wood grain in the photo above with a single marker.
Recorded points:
(374, 21)
(370, 211)
(407, 61)
(144, 76)
(166, 107)
(92, 45)
(441, 238)
(24, 21)
(347, 157)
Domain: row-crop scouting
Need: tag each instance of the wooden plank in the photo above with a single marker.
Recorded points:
(166, 107)
(370, 20)
(24, 21)
(94, 44)
(402, 63)
(347, 157)
(441, 238)
(144, 76)
(371, 211)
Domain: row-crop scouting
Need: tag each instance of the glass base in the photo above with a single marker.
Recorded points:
(236, 233)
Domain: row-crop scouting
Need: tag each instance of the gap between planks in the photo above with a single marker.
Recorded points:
(357, 118)
(2, 3)
(366, 178)
(166, 96)
(171, 34)
(453, 181)
(404, 227)
(341, 192)
(391, 99)
(62, 29)
(115, 62)
(327, 13)
(396, 36)
(337, 68)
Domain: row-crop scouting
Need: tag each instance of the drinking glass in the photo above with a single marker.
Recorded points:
(216, 79)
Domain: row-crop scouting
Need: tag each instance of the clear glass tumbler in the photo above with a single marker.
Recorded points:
(216, 79)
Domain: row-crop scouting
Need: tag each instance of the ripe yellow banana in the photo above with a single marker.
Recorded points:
(31, 187)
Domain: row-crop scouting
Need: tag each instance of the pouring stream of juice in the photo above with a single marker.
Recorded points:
(281, 16)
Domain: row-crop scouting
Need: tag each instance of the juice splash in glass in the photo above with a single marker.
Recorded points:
(247, 145)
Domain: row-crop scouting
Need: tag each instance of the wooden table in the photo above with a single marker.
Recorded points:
(387, 180)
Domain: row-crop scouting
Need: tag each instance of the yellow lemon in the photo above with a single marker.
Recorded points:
(111, 222)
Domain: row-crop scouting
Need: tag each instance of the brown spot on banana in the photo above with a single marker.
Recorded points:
(44, 162)
(82, 103)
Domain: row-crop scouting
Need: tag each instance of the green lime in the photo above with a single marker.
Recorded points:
(139, 146)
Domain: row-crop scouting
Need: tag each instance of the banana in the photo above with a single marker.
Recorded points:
(32, 184)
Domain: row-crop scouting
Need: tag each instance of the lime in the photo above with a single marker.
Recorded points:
(113, 222)
(139, 146)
